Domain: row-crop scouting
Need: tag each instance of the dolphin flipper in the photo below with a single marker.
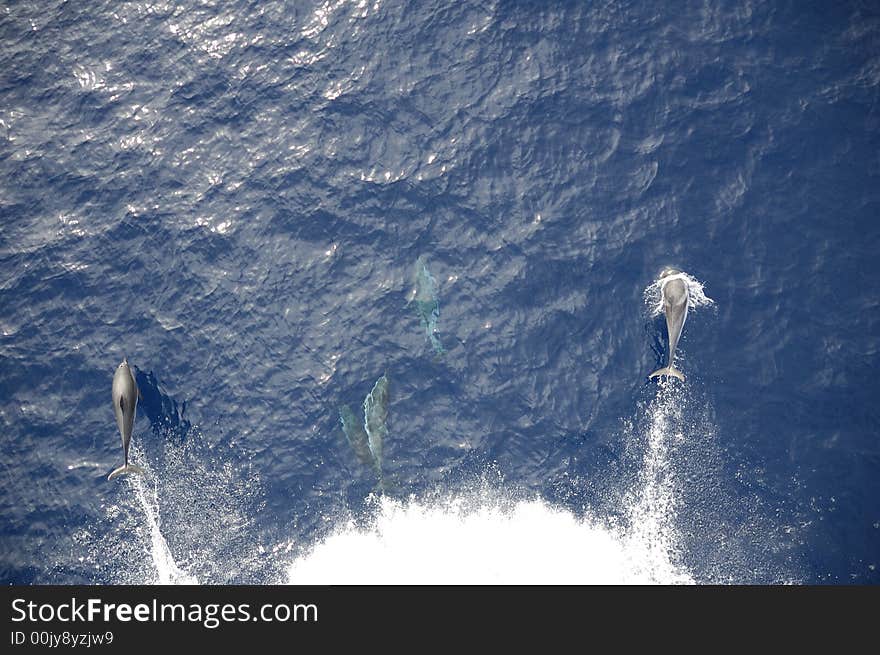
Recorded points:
(668, 371)
(124, 469)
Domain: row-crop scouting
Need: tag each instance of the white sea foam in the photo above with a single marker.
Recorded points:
(485, 537)
(531, 542)
(166, 568)
(653, 507)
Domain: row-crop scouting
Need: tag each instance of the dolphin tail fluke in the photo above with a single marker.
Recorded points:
(380, 485)
(125, 469)
(384, 486)
(668, 371)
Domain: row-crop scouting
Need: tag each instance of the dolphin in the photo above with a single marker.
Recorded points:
(356, 436)
(675, 299)
(125, 399)
(424, 293)
(375, 418)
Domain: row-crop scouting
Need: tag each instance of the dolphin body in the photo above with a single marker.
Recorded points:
(357, 436)
(125, 398)
(375, 421)
(675, 298)
(427, 304)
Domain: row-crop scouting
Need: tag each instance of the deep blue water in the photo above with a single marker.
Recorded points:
(234, 196)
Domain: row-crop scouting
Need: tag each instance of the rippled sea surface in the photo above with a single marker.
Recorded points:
(234, 195)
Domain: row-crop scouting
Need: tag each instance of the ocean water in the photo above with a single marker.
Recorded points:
(237, 197)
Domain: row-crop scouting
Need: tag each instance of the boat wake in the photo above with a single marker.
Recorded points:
(488, 536)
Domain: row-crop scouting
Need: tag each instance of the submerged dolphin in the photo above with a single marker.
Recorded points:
(424, 294)
(375, 419)
(356, 436)
(675, 299)
(125, 398)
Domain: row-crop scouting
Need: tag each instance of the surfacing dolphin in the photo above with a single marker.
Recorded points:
(675, 299)
(375, 421)
(125, 397)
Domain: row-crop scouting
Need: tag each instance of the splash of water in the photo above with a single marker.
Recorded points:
(474, 540)
(652, 509)
(485, 536)
(189, 521)
(653, 293)
(167, 570)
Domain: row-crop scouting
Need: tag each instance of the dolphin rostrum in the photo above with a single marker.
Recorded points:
(675, 299)
(125, 398)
